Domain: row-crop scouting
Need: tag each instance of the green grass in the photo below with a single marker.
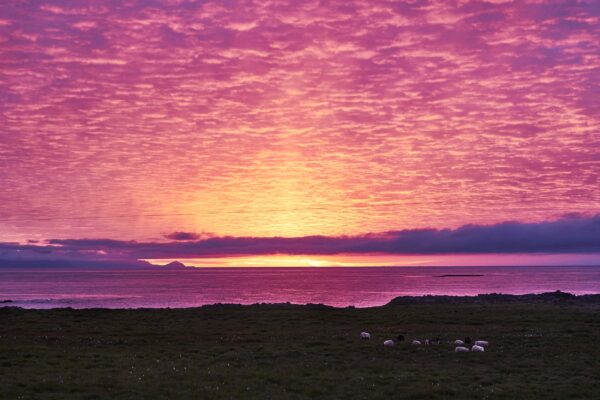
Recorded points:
(537, 351)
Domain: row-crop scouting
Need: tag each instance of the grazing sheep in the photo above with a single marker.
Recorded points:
(459, 342)
(482, 343)
(400, 338)
(416, 342)
(468, 340)
(365, 335)
(427, 342)
(460, 349)
(388, 343)
(477, 348)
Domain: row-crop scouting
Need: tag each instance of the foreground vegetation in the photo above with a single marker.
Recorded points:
(545, 349)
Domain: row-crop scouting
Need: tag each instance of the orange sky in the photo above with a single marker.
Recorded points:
(369, 260)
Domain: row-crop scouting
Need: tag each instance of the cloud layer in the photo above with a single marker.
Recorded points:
(183, 236)
(571, 234)
(295, 118)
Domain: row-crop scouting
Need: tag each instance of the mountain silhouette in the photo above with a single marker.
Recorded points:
(175, 264)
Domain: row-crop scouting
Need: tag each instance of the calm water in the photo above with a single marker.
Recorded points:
(362, 287)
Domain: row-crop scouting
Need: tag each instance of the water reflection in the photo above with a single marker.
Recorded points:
(361, 287)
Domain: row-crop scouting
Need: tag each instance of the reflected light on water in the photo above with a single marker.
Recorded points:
(384, 260)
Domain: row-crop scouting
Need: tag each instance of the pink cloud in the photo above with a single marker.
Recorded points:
(281, 118)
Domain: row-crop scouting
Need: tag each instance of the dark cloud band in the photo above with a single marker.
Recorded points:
(570, 234)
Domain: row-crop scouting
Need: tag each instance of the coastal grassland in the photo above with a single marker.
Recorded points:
(538, 350)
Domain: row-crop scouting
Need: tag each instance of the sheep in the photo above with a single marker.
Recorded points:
(477, 348)
(459, 342)
(482, 343)
(427, 342)
(388, 343)
(365, 335)
(460, 349)
(416, 342)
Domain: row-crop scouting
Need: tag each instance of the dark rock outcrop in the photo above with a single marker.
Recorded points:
(491, 298)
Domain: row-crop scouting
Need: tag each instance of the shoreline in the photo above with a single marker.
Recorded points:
(556, 297)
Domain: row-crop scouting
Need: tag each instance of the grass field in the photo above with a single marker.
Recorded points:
(546, 350)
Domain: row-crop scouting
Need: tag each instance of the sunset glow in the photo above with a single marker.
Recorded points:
(282, 260)
(299, 199)
(133, 120)
(375, 260)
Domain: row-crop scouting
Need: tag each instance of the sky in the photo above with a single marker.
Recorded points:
(262, 126)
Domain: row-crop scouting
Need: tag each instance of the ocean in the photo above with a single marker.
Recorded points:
(340, 287)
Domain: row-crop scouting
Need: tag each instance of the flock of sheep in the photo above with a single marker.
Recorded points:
(460, 345)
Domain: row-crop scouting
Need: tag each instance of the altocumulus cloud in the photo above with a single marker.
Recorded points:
(503, 91)
(569, 234)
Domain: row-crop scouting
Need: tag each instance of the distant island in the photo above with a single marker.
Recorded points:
(174, 264)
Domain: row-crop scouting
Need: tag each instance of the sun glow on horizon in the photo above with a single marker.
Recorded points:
(382, 260)
(282, 260)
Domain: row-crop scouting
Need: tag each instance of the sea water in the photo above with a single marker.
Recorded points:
(339, 286)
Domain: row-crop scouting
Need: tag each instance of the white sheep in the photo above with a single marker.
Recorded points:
(477, 348)
(365, 335)
(459, 342)
(416, 342)
(460, 349)
(388, 343)
(482, 343)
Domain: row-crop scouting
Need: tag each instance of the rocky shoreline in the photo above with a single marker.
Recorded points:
(547, 297)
